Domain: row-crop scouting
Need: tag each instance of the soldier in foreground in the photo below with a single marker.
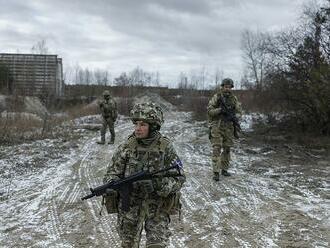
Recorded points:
(152, 201)
(223, 123)
(109, 114)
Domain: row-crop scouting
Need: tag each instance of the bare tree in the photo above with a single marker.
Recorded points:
(218, 76)
(106, 78)
(88, 76)
(122, 80)
(299, 72)
(203, 77)
(40, 47)
(68, 74)
(254, 55)
(183, 81)
(157, 79)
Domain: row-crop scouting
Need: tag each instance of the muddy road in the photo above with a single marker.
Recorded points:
(277, 197)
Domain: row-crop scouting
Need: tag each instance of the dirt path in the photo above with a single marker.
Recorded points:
(273, 199)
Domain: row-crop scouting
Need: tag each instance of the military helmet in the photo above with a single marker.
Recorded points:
(227, 81)
(106, 93)
(148, 112)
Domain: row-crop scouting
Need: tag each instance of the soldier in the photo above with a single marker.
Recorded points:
(222, 105)
(109, 114)
(151, 202)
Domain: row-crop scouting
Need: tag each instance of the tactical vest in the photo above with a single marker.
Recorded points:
(230, 102)
(108, 109)
(150, 158)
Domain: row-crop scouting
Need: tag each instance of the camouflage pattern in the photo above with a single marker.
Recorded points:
(151, 201)
(153, 208)
(227, 81)
(148, 112)
(221, 131)
(106, 93)
(109, 114)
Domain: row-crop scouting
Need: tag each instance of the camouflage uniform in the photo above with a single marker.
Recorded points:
(151, 201)
(221, 130)
(109, 114)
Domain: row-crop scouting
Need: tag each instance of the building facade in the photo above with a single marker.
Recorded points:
(32, 74)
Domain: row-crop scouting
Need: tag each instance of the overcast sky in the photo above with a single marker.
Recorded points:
(168, 36)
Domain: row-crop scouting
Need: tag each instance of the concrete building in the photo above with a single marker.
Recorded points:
(32, 74)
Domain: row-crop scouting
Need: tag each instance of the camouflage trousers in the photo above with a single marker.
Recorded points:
(107, 122)
(221, 138)
(146, 215)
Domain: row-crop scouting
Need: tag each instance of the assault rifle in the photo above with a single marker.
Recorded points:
(124, 185)
(230, 115)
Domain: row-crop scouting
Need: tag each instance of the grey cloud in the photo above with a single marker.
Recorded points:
(119, 34)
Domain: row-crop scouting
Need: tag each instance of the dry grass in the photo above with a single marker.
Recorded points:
(21, 127)
(82, 110)
(18, 128)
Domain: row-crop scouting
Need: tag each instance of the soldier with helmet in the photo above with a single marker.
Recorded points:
(109, 114)
(222, 105)
(151, 202)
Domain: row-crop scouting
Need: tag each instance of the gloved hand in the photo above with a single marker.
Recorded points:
(145, 186)
(167, 186)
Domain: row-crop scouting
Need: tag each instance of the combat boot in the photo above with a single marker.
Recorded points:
(101, 142)
(216, 176)
(225, 173)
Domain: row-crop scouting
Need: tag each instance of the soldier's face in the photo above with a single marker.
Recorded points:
(141, 129)
(226, 88)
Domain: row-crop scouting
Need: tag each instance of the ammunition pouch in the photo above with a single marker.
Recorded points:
(172, 204)
(145, 186)
(111, 202)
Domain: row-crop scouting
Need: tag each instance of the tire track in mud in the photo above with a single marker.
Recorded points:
(95, 206)
(87, 180)
(57, 205)
(55, 228)
(215, 217)
(245, 210)
(106, 224)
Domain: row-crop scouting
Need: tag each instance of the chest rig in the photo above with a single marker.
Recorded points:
(107, 108)
(146, 158)
(229, 100)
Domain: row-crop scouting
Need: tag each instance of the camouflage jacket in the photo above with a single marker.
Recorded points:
(128, 159)
(108, 109)
(215, 110)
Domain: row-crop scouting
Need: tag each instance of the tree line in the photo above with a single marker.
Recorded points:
(197, 79)
(290, 70)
